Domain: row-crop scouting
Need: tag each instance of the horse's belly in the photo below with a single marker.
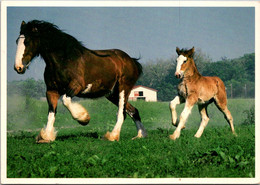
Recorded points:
(96, 89)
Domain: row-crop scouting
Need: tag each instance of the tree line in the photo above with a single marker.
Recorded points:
(238, 75)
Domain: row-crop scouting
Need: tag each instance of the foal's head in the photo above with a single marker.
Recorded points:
(184, 61)
(27, 46)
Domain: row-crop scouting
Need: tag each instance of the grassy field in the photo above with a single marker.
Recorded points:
(80, 151)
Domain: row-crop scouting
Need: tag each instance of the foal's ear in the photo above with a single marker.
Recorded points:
(178, 50)
(191, 51)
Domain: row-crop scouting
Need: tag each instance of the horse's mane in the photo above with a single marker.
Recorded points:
(54, 39)
(185, 51)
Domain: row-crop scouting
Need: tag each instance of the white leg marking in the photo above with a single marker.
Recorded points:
(203, 124)
(50, 123)
(20, 51)
(87, 90)
(120, 115)
(48, 133)
(173, 103)
(184, 115)
(77, 111)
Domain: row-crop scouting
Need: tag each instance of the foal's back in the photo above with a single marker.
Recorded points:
(209, 87)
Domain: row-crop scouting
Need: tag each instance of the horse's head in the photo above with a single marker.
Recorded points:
(184, 61)
(27, 46)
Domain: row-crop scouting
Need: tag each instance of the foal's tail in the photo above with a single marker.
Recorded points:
(139, 66)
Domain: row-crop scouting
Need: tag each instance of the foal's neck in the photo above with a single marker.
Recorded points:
(192, 73)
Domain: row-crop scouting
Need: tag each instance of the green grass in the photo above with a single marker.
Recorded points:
(80, 152)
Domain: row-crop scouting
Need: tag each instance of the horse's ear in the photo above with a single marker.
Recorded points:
(178, 50)
(23, 23)
(191, 51)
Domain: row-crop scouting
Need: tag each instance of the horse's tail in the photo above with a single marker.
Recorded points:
(139, 66)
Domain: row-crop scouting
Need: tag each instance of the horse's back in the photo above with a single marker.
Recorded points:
(127, 65)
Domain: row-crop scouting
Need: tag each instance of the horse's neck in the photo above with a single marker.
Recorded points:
(192, 73)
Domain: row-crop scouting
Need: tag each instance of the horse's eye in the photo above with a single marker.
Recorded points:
(184, 61)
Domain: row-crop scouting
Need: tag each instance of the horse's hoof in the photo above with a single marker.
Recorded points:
(42, 141)
(84, 123)
(140, 134)
(45, 137)
(174, 136)
(110, 137)
(175, 124)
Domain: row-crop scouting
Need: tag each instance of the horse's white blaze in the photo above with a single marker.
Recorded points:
(180, 61)
(20, 51)
(51, 120)
(87, 90)
(77, 111)
(120, 115)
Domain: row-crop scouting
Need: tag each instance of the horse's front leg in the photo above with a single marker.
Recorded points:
(78, 112)
(176, 101)
(48, 133)
(183, 118)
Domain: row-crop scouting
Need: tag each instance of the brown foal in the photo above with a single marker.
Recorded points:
(196, 89)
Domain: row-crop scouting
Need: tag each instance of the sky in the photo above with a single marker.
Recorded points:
(152, 32)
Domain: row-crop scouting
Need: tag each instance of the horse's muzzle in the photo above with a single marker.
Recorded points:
(20, 69)
(178, 75)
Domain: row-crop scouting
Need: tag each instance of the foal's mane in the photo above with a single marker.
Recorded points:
(185, 51)
(54, 39)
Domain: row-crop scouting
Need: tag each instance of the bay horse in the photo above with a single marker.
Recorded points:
(74, 70)
(196, 89)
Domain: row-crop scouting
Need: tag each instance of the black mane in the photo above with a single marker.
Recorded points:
(52, 39)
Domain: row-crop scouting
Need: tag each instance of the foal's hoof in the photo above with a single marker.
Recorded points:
(176, 124)
(174, 136)
(111, 137)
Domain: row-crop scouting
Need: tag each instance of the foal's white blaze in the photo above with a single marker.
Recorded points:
(180, 61)
(20, 51)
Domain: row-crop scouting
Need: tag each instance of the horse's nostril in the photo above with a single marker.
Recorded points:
(20, 69)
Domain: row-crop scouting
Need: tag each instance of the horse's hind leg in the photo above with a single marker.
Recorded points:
(221, 103)
(120, 102)
(77, 111)
(134, 114)
(204, 119)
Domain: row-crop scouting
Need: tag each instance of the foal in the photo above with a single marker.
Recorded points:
(195, 88)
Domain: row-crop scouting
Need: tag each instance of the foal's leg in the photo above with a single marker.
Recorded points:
(134, 114)
(183, 117)
(204, 119)
(176, 101)
(221, 103)
(48, 133)
(115, 134)
(77, 111)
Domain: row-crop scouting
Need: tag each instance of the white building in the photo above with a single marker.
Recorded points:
(140, 92)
